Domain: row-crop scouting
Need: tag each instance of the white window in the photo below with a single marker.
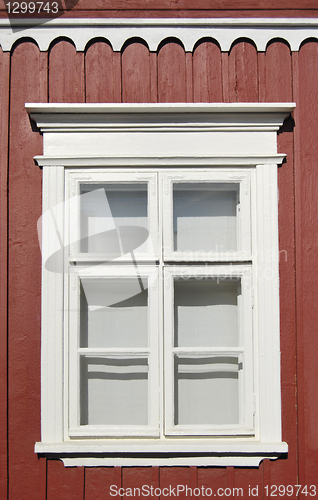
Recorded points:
(160, 330)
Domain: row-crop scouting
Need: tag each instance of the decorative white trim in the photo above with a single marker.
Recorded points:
(241, 454)
(188, 148)
(159, 130)
(242, 460)
(208, 445)
(143, 108)
(159, 161)
(153, 31)
(52, 310)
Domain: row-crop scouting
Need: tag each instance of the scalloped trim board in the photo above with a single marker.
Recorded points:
(154, 31)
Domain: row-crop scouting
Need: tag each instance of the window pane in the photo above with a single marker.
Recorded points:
(114, 313)
(114, 218)
(204, 217)
(206, 313)
(114, 391)
(206, 391)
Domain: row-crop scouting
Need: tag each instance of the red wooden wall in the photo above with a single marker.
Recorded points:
(170, 75)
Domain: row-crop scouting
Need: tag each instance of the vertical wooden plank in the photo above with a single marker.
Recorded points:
(66, 73)
(153, 77)
(278, 72)
(137, 477)
(194, 479)
(246, 480)
(230, 481)
(262, 76)
(171, 477)
(243, 87)
(136, 72)
(212, 478)
(4, 145)
(189, 76)
(117, 77)
(243, 72)
(27, 473)
(278, 87)
(207, 72)
(99, 72)
(171, 72)
(98, 482)
(298, 260)
(66, 84)
(307, 263)
(225, 76)
(64, 483)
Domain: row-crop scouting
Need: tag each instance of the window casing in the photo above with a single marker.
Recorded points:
(194, 235)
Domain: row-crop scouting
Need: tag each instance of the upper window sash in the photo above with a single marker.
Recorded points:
(114, 216)
(207, 216)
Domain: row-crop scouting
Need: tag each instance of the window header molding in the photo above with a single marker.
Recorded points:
(153, 31)
(169, 116)
(102, 133)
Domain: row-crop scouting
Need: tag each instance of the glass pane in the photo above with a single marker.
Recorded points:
(204, 217)
(206, 391)
(206, 313)
(114, 391)
(113, 313)
(114, 218)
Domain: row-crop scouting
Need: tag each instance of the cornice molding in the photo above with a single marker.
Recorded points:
(153, 31)
(170, 117)
(163, 133)
(158, 161)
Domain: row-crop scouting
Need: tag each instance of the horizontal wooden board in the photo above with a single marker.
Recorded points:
(190, 5)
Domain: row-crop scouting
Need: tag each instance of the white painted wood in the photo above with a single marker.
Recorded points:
(245, 453)
(148, 400)
(266, 279)
(179, 445)
(52, 228)
(104, 130)
(140, 162)
(189, 31)
(244, 460)
(259, 384)
(113, 216)
(46, 110)
(243, 352)
(241, 251)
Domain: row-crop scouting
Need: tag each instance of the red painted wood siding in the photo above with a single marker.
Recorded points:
(184, 8)
(171, 75)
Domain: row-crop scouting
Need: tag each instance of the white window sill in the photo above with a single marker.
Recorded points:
(94, 453)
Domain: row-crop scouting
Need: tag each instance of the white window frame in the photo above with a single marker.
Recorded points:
(224, 176)
(192, 137)
(72, 403)
(243, 351)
